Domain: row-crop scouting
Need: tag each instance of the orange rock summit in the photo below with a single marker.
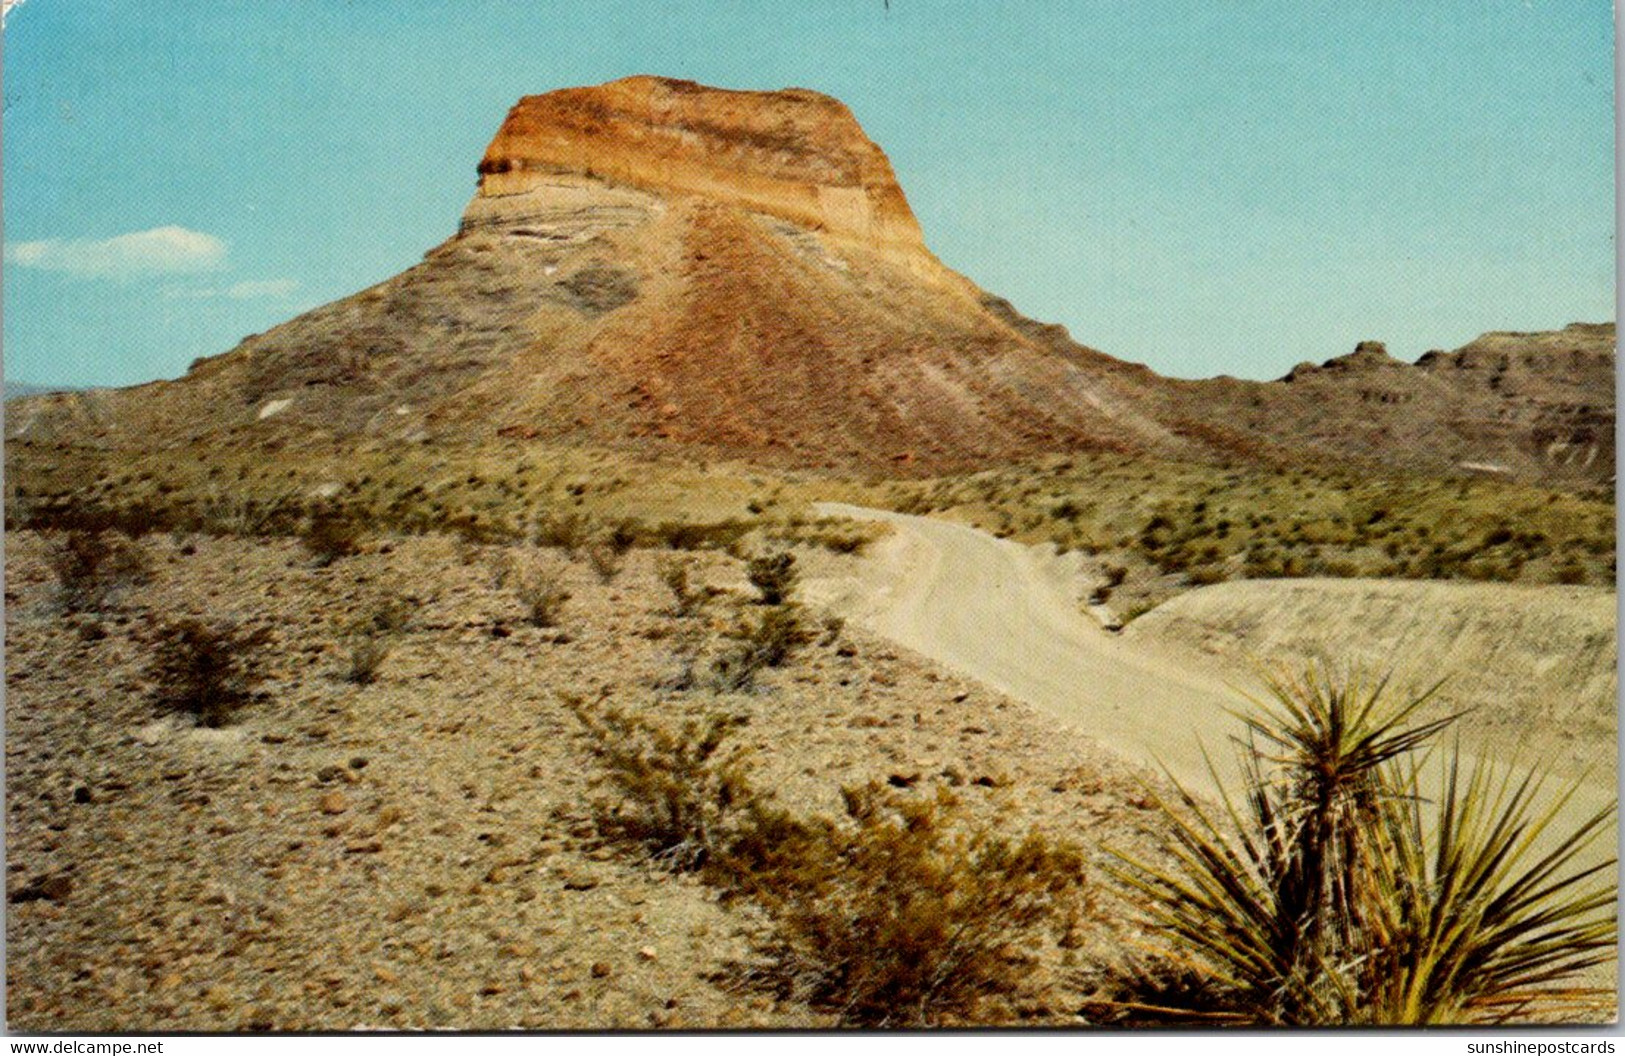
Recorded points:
(656, 265)
(794, 154)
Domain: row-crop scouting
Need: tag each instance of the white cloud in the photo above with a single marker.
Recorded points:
(5, 9)
(160, 251)
(247, 290)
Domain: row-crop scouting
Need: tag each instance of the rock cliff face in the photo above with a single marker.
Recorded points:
(653, 264)
(1537, 406)
(792, 154)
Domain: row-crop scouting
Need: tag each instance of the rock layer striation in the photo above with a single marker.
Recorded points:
(656, 265)
(792, 154)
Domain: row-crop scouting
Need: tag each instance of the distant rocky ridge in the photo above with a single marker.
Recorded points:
(656, 265)
(18, 389)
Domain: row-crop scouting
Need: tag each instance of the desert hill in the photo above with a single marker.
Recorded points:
(656, 265)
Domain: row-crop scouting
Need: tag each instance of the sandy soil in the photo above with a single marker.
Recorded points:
(418, 853)
(1006, 614)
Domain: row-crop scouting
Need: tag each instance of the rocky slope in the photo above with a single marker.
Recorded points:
(419, 853)
(654, 264)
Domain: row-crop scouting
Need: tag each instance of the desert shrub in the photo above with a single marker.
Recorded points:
(621, 537)
(687, 600)
(206, 670)
(844, 541)
(606, 561)
(243, 517)
(1341, 892)
(132, 519)
(684, 536)
(900, 913)
(773, 576)
(677, 788)
(903, 912)
(1571, 572)
(542, 593)
(473, 533)
(92, 567)
(833, 534)
(762, 641)
(564, 531)
(911, 503)
(1206, 575)
(139, 519)
(774, 635)
(330, 535)
(735, 671)
(367, 653)
(1115, 574)
(388, 616)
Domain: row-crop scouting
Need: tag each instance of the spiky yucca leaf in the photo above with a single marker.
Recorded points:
(1330, 895)
(1485, 907)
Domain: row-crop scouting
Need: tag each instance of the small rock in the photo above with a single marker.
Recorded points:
(334, 803)
(50, 888)
(600, 970)
(577, 881)
(648, 953)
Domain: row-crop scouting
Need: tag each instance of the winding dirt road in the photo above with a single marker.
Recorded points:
(1001, 613)
(991, 609)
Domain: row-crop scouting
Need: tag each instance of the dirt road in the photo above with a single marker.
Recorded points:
(1002, 613)
(991, 609)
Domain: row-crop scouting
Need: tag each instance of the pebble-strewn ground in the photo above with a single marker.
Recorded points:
(417, 853)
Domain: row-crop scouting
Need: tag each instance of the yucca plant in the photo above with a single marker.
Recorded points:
(1336, 892)
(1488, 908)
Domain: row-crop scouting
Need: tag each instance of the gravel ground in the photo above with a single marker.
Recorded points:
(418, 853)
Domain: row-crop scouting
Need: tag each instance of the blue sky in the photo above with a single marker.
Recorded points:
(1207, 187)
